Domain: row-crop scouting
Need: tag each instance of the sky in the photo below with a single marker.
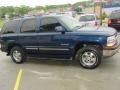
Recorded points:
(34, 3)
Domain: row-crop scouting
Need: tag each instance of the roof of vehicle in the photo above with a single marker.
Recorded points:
(30, 17)
(116, 11)
(87, 14)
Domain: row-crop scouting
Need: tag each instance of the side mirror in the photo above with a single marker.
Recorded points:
(59, 29)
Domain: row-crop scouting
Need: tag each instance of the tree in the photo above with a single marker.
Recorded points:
(104, 15)
(19, 11)
(22, 10)
(39, 8)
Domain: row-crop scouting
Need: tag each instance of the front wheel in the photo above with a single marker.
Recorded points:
(89, 57)
(17, 55)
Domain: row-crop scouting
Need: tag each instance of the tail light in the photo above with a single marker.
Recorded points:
(110, 21)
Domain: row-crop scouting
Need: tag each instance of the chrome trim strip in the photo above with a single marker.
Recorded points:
(60, 49)
(46, 48)
(64, 44)
(32, 48)
(36, 46)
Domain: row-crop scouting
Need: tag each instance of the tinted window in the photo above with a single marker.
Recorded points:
(87, 18)
(115, 15)
(49, 24)
(10, 27)
(28, 26)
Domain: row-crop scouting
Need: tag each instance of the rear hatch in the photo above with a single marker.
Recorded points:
(114, 19)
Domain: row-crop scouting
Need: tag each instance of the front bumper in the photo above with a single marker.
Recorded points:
(108, 52)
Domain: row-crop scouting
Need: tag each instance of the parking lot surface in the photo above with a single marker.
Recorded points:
(41, 74)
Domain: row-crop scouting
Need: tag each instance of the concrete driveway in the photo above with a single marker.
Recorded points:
(59, 75)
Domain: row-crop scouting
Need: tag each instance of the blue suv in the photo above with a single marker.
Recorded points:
(58, 37)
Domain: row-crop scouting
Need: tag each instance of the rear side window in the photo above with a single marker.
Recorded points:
(28, 26)
(115, 15)
(87, 18)
(10, 27)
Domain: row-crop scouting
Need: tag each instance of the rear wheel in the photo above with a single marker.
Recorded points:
(17, 55)
(89, 57)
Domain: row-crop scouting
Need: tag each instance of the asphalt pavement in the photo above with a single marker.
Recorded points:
(38, 74)
(59, 75)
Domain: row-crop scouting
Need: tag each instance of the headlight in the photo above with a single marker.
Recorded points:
(111, 41)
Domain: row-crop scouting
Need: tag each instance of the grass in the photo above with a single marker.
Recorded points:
(1, 23)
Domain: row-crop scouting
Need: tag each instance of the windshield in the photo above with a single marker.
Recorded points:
(71, 22)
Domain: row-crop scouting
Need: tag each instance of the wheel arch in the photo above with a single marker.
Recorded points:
(84, 44)
(10, 46)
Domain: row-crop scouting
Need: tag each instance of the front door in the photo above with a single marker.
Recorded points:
(51, 43)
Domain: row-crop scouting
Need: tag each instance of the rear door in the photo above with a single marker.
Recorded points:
(27, 36)
(115, 19)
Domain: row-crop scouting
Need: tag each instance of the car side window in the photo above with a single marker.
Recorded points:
(48, 24)
(87, 18)
(10, 27)
(28, 26)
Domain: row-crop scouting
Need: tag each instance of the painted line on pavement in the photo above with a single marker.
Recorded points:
(17, 83)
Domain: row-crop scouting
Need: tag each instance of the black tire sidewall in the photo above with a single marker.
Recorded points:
(22, 53)
(90, 49)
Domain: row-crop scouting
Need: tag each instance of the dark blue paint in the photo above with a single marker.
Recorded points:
(52, 40)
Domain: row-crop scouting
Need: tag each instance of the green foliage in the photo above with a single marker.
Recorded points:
(12, 11)
(48, 7)
(22, 10)
(104, 15)
(39, 8)
(18, 11)
(84, 3)
(1, 23)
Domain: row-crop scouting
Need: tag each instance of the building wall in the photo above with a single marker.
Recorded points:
(112, 1)
(109, 10)
(111, 5)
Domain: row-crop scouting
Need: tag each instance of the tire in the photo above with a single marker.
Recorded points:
(17, 55)
(89, 57)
